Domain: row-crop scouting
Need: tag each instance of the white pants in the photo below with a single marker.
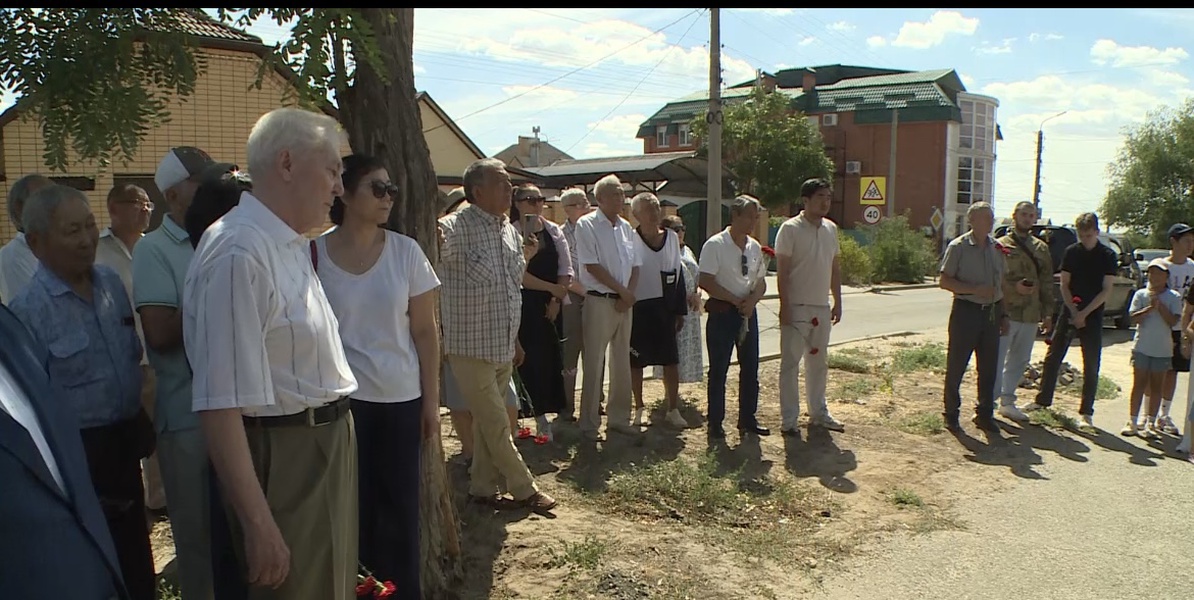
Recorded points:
(1184, 445)
(797, 339)
(1015, 352)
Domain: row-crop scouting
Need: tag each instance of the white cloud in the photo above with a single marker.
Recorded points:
(876, 41)
(1166, 79)
(774, 12)
(619, 127)
(842, 26)
(1047, 37)
(807, 41)
(1107, 52)
(967, 80)
(930, 33)
(782, 66)
(628, 147)
(1004, 47)
(419, 69)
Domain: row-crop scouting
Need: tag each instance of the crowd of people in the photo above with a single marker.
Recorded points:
(1004, 295)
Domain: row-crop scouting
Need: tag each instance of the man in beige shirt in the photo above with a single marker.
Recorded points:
(807, 251)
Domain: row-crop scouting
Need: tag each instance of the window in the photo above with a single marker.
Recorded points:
(685, 134)
(974, 179)
(978, 126)
(661, 136)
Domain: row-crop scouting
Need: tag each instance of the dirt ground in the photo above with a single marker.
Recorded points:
(672, 515)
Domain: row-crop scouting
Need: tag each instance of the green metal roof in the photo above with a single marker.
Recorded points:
(684, 109)
(886, 80)
(877, 98)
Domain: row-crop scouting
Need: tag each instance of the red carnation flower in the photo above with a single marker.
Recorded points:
(814, 351)
(386, 591)
(1076, 300)
(815, 322)
(1004, 249)
(363, 590)
(769, 251)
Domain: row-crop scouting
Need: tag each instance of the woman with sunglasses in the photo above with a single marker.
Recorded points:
(544, 288)
(689, 341)
(382, 289)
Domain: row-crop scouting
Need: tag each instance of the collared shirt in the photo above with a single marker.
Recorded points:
(18, 406)
(481, 267)
(160, 262)
(259, 331)
(112, 253)
(972, 264)
(810, 250)
(94, 350)
(1020, 265)
(607, 243)
(722, 258)
(17, 266)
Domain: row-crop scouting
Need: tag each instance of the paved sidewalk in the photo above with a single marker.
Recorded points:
(1111, 520)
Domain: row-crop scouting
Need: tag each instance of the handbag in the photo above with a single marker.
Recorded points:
(675, 292)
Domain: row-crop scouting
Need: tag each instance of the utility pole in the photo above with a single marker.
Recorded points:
(891, 164)
(713, 204)
(1036, 180)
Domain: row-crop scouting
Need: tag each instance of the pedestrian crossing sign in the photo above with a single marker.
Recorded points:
(873, 191)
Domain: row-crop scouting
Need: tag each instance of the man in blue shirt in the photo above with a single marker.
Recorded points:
(81, 313)
(159, 271)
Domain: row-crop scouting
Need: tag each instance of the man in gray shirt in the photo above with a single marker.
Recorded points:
(973, 270)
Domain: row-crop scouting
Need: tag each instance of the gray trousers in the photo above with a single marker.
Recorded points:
(973, 329)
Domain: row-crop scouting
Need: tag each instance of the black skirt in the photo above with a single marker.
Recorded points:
(653, 335)
(542, 370)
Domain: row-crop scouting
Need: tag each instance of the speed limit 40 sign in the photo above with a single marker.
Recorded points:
(871, 214)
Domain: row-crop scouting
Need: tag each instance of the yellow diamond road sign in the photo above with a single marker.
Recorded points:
(936, 219)
(873, 191)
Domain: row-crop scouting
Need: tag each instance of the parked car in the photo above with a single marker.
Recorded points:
(1127, 280)
(1143, 257)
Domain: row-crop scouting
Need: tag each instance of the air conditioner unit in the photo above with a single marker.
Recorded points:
(829, 120)
(853, 167)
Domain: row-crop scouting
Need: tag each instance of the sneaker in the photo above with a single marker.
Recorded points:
(1167, 426)
(1010, 411)
(827, 421)
(1085, 423)
(1129, 429)
(675, 419)
(1032, 407)
(638, 417)
(1148, 431)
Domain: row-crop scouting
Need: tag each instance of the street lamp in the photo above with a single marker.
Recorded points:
(1040, 142)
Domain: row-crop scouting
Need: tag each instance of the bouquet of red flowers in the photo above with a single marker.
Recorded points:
(370, 587)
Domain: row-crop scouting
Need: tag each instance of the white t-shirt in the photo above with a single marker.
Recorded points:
(722, 258)
(667, 259)
(810, 250)
(1180, 278)
(373, 311)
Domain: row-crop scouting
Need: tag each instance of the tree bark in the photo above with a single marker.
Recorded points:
(382, 119)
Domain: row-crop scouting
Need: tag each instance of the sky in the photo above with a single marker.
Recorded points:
(589, 77)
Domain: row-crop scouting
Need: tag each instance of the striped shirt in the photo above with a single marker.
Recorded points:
(259, 331)
(481, 267)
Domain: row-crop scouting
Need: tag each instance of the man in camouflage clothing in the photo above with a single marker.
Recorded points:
(1028, 289)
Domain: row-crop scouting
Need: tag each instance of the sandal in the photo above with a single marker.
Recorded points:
(539, 502)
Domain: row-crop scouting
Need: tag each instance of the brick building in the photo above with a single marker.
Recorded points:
(217, 117)
(945, 136)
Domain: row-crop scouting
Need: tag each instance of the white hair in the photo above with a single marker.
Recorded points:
(605, 184)
(292, 129)
(38, 213)
(574, 196)
(639, 200)
(979, 206)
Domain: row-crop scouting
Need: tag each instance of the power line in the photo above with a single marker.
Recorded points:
(577, 70)
(640, 82)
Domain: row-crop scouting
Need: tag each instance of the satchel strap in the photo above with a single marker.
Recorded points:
(314, 256)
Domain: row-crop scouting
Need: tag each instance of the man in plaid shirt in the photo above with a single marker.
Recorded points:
(482, 261)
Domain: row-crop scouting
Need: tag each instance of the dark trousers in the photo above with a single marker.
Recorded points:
(973, 329)
(114, 454)
(389, 439)
(721, 338)
(1091, 338)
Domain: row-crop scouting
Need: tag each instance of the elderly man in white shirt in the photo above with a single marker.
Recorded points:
(17, 262)
(609, 273)
(271, 381)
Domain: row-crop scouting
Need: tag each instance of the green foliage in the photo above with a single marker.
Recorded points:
(98, 79)
(769, 147)
(1153, 177)
(855, 262)
(898, 252)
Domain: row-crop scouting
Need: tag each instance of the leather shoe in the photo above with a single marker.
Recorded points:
(986, 423)
(755, 429)
(717, 432)
(952, 424)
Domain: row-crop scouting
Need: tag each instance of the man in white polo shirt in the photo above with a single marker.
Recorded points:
(807, 249)
(733, 271)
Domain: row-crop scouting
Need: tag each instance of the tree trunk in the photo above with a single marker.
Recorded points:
(382, 119)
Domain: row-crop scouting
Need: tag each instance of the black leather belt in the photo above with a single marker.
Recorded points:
(312, 417)
(603, 294)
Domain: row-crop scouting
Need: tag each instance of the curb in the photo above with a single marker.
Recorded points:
(898, 288)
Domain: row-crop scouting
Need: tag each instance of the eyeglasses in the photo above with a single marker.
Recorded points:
(533, 199)
(745, 271)
(381, 188)
(142, 205)
(678, 228)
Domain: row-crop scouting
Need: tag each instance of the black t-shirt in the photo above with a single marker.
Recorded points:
(1087, 268)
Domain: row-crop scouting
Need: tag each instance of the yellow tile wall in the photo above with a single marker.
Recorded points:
(217, 117)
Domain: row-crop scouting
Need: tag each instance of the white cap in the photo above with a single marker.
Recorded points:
(180, 164)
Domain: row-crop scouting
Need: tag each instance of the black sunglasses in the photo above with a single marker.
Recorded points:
(381, 188)
(745, 271)
(678, 228)
(535, 199)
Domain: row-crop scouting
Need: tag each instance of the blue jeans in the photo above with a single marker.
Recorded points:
(721, 338)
